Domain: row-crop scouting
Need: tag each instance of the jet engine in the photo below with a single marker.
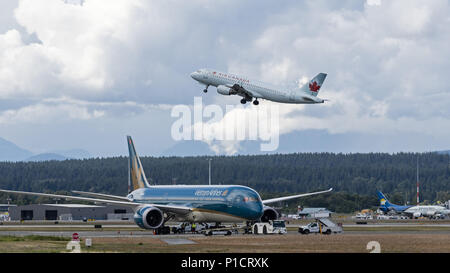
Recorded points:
(417, 214)
(269, 214)
(223, 90)
(149, 217)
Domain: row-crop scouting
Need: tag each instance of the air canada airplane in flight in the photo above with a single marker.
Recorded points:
(229, 84)
(155, 204)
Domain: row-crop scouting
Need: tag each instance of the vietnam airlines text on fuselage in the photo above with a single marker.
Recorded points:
(229, 84)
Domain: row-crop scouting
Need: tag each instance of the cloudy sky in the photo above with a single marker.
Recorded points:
(84, 76)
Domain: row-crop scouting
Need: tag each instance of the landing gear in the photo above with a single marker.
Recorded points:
(248, 227)
(206, 89)
(243, 101)
(161, 230)
(255, 102)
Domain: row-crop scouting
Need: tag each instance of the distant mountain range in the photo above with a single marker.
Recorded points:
(45, 157)
(310, 141)
(11, 152)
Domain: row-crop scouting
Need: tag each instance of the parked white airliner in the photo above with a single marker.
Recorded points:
(229, 84)
(427, 211)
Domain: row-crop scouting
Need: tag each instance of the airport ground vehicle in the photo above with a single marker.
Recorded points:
(321, 225)
(271, 227)
(391, 217)
(363, 216)
(204, 228)
(220, 231)
(217, 232)
(187, 228)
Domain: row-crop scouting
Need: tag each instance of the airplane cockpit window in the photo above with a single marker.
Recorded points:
(240, 195)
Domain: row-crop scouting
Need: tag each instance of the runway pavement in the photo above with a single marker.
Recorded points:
(146, 234)
(130, 230)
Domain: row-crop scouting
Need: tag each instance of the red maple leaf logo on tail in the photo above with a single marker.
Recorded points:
(314, 87)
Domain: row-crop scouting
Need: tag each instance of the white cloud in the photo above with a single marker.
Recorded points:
(373, 2)
(387, 61)
(85, 51)
(41, 113)
(65, 109)
(25, 70)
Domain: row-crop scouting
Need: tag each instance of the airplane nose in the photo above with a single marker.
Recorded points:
(194, 75)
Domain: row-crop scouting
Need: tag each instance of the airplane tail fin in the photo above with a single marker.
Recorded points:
(314, 85)
(136, 176)
(383, 200)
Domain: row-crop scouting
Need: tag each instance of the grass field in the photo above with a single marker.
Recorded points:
(341, 243)
(32, 243)
(407, 237)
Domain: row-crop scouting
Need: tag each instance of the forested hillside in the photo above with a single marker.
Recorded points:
(354, 177)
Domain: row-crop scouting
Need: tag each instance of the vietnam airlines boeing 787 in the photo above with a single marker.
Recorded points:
(154, 205)
(229, 84)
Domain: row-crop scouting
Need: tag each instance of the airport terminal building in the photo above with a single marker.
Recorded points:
(69, 212)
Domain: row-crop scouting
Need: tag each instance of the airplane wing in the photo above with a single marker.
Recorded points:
(239, 90)
(273, 200)
(101, 195)
(134, 205)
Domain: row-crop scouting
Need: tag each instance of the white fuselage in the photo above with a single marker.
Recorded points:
(426, 210)
(256, 88)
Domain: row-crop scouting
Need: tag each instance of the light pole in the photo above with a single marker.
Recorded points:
(209, 179)
(417, 180)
